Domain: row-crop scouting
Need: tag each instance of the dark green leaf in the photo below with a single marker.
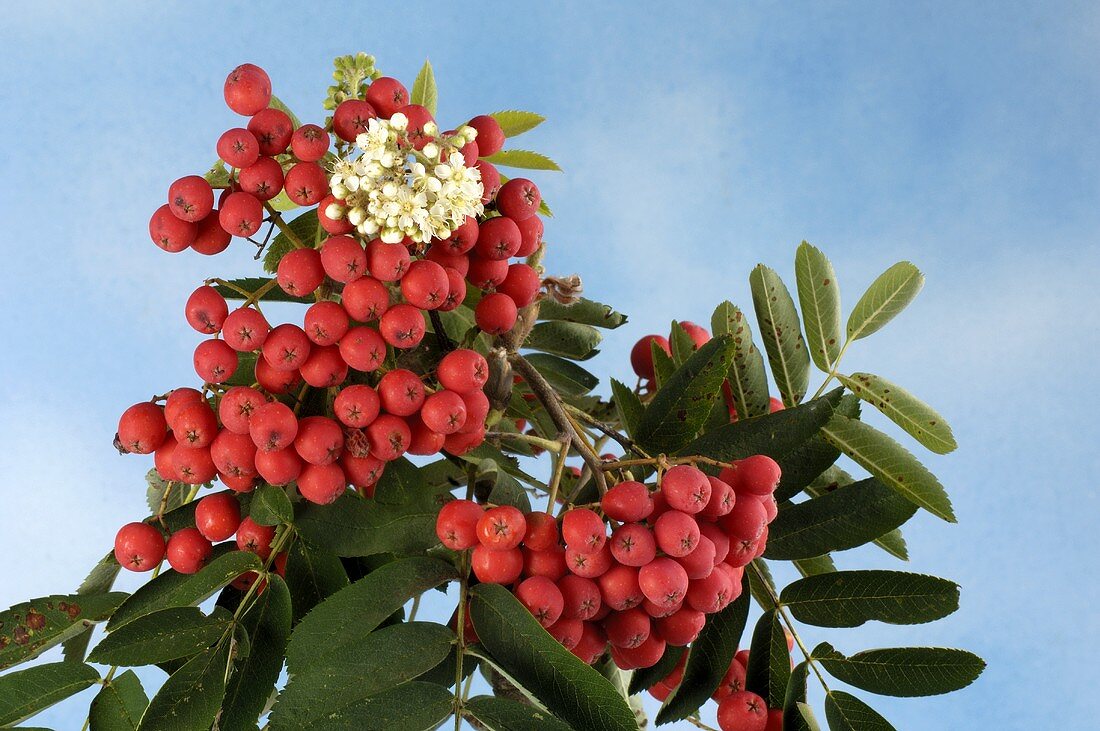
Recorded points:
(815, 565)
(525, 159)
(681, 343)
(583, 311)
(26, 692)
(850, 598)
(802, 466)
(708, 660)
(644, 678)
(30, 628)
(843, 518)
(514, 122)
(189, 700)
(819, 298)
(782, 334)
(304, 228)
(349, 615)
(769, 661)
(506, 489)
(663, 365)
(904, 409)
(845, 712)
(424, 91)
(903, 671)
(119, 704)
(628, 406)
(252, 284)
(570, 689)
(161, 636)
(336, 689)
(172, 589)
(312, 575)
(99, 581)
(567, 378)
(502, 714)
(889, 462)
(352, 526)
(568, 339)
(834, 478)
(415, 706)
(267, 623)
(884, 299)
(271, 506)
(747, 378)
(795, 717)
(679, 409)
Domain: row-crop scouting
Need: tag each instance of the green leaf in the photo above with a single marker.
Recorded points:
(890, 462)
(119, 704)
(525, 159)
(267, 623)
(348, 616)
(781, 333)
(884, 299)
(844, 518)
(802, 466)
(708, 660)
(271, 506)
(352, 526)
(567, 378)
(845, 712)
(172, 589)
(282, 202)
(570, 689)
(774, 435)
(252, 284)
(663, 364)
(834, 478)
(514, 122)
(769, 668)
(191, 697)
(797, 716)
(815, 565)
(217, 175)
(161, 636)
(819, 298)
(747, 378)
(904, 409)
(803, 719)
(506, 489)
(644, 678)
(156, 488)
(336, 689)
(583, 311)
(26, 692)
(30, 628)
(99, 581)
(415, 706)
(682, 404)
(903, 671)
(681, 343)
(312, 575)
(850, 598)
(304, 228)
(628, 406)
(502, 714)
(572, 340)
(424, 90)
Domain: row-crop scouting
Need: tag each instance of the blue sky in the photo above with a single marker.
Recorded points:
(697, 141)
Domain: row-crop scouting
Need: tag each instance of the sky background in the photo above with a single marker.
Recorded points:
(697, 140)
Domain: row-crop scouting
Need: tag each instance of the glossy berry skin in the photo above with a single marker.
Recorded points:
(486, 273)
(366, 299)
(501, 528)
(238, 147)
(541, 533)
(743, 711)
(588, 564)
(496, 313)
(343, 259)
(463, 238)
(530, 233)
(362, 472)
(193, 465)
(319, 441)
(463, 371)
(686, 489)
(682, 626)
(325, 323)
(387, 95)
(402, 326)
(629, 628)
(425, 285)
(699, 335)
(321, 484)
(247, 89)
(518, 199)
(496, 567)
(245, 329)
(567, 632)
(550, 564)
(419, 117)
(757, 475)
(699, 563)
(521, 285)
(401, 392)
(273, 129)
(210, 237)
(387, 262)
(191, 198)
(273, 426)
(775, 720)
(542, 598)
(274, 381)
(619, 587)
(306, 184)
(363, 349)
(444, 412)
(139, 547)
(456, 525)
(663, 581)
(179, 398)
(262, 179)
(733, 681)
(195, 425)
(325, 367)
(746, 520)
(170, 233)
(582, 599)
(711, 593)
(627, 502)
(300, 272)
(215, 361)
(356, 406)
(389, 437)
(241, 214)
(206, 310)
(188, 551)
(286, 348)
(677, 533)
(332, 226)
(309, 143)
(633, 544)
(583, 530)
(490, 178)
(490, 136)
(142, 428)
(279, 467)
(217, 516)
(424, 441)
(497, 239)
(721, 502)
(351, 119)
(256, 538)
(641, 355)
(592, 644)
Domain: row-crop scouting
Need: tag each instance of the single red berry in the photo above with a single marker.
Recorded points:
(645, 655)
(210, 237)
(542, 598)
(757, 475)
(164, 460)
(463, 238)
(490, 177)
(490, 136)
(195, 425)
(677, 533)
(274, 381)
(592, 644)
(711, 593)
(206, 310)
(775, 720)
(722, 499)
(632, 544)
(567, 632)
(389, 437)
(496, 313)
(530, 234)
(743, 711)
(733, 681)
(424, 441)
(356, 406)
(286, 347)
(746, 520)
(477, 408)
(387, 95)
(582, 599)
(215, 362)
(629, 628)
(463, 442)
(352, 118)
(463, 371)
(387, 262)
(498, 238)
(245, 329)
(700, 562)
(273, 129)
(191, 198)
(193, 465)
(170, 233)
(238, 147)
(456, 290)
(363, 349)
(486, 273)
(583, 529)
(306, 184)
(627, 502)
(542, 531)
(325, 323)
(188, 551)
(518, 199)
(588, 564)
(663, 581)
(280, 466)
(139, 547)
(255, 538)
(217, 516)
(425, 285)
(322, 483)
(241, 214)
(444, 412)
(444, 258)
(501, 528)
(300, 272)
(320, 440)
(309, 143)
(686, 488)
(263, 178)
(456, 525)
(273, 426)
(247, 89)
(240, 483)
(333, 226)
(362, 472)
(619, 587)
(324, 368)
(549, 563)
(365, 299)
(401, 392)
(142, 428)
(522, 284)
(402, 326)
(419, 117)
(496, 567)
(641, 355)
(681, 627)
(343, 259)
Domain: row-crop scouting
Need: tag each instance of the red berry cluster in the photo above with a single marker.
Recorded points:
(674, 555)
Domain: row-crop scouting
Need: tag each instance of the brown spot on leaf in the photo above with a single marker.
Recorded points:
(20, 635)
(35, 619)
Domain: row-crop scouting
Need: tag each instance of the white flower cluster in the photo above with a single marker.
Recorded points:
(393, 191)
